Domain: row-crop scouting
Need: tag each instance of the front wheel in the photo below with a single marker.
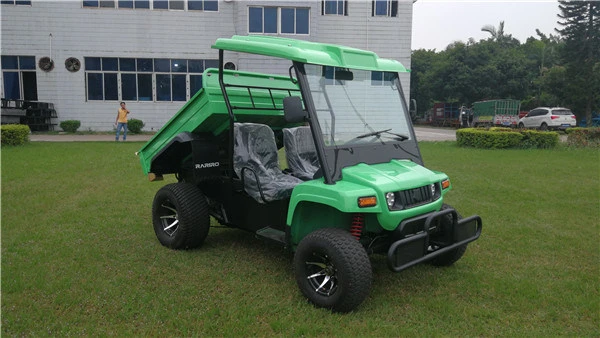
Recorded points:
(333, 270)
(521, 125)
(180, 216)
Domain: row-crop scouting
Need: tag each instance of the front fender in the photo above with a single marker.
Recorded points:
(342, 196)
(315, 205)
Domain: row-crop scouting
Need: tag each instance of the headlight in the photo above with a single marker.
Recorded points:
(390, 198)
(432, 186)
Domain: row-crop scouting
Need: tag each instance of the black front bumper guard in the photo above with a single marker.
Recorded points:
(413, 250)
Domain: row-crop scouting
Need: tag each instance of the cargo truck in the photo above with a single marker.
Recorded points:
(499, 113)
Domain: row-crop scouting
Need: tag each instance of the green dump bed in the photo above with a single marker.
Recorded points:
(255, 97)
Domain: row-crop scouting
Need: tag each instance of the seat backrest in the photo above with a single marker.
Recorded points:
(255, 153)
(255, 148)
(300, 152)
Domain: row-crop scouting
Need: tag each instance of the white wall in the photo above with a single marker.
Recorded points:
(104, 32)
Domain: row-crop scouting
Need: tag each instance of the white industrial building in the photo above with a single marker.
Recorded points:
(87, 56)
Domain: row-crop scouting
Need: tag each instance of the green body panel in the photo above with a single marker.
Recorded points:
(206, 111)
(309, 52)
(340, 200)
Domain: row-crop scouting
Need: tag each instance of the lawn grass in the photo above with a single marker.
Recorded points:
(79, 256)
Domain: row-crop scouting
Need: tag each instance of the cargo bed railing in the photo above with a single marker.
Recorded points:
(251, 96)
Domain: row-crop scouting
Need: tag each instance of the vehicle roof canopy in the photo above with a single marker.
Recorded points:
(309, 52)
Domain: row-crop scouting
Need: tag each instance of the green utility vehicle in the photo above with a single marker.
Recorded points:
(355, 183)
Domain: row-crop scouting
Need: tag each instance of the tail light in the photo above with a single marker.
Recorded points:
(573, 117)
(554, 117)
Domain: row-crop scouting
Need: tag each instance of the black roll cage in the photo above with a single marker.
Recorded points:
(339, 157)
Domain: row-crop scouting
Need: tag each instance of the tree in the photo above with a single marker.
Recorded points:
(581, 31)
(499, 67)
(544, 71)
(497, 34)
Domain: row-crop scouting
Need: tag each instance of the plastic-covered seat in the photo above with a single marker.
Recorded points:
(300, 152)
(256, 163)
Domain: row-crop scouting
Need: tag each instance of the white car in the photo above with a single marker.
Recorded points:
(545, 118)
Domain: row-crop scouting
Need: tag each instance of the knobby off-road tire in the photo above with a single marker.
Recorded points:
(333, 270)
(180, 216)
(454, 255)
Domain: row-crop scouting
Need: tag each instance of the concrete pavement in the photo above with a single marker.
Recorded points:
(435, 134)
(423, 134)
(85, 138)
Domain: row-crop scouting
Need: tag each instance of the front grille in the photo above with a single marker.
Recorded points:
(411, 198)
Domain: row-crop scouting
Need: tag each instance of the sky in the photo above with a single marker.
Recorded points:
(438, 23)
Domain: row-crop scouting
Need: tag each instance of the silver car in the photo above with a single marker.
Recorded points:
(545, 118)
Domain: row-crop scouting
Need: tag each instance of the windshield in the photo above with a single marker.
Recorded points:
(357, 106)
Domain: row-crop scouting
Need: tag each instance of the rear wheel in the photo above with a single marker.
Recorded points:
(333, 270)
(544, 126)
(451, 256)
(180, 216)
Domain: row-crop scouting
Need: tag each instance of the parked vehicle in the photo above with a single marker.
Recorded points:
(446, 114)
(355, 184)
(500, 113)
(545, 118)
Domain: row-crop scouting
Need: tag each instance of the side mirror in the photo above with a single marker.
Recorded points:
(292, 109)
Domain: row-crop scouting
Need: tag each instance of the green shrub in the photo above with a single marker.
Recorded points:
(14, 134)
(501, 138)
(70, 126)
(482, 138)
(500, 129)
(539, 139)
(583, 137)
(135, 126)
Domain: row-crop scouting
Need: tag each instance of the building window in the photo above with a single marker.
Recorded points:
(142, 4)
(137, 4)
(329, 73)
(384, 8)
(160, 4)
(19, 77)
(170, 83)
(176, 5)
(334, 7)
(383, 78)
(283, 20)
(203, 5)
(102, 81)
(99, 3)
(133, 79)
(125, 4)
(13, 2)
